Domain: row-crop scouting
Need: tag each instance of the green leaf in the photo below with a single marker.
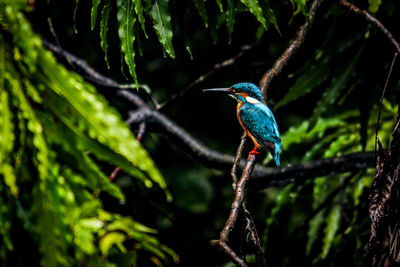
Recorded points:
(256, 10)
(230, 18)
(110, 239)
(338, 146)
(202, 10)
(105, 124)
(76, 144)
(126, 21)
(159, 13)
(359, 187)
(74, 16)
(105, 14)
(102, 149)
(269, 15)
(188, 46)
(85, 232)
(332, 225)
(34, 126)
(95, 8)
(319, 147)
(51, 216)
(312, 76)
(299, 134)
(301, 4)
(139, 13)
(139, 232)
(334, 89)
(314, 227)
(129, 226)
(374, 5)
(280, 201)
(221, 9)
(7, 143)
(92, 223)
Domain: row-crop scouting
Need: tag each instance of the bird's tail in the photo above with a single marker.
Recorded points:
(276, 154)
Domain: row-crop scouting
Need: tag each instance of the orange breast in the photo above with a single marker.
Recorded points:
(241, 124)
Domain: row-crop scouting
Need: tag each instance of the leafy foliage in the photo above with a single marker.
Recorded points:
(105, 14)
(55, 129)
(126, 21)
(162, 25)
(159, 13)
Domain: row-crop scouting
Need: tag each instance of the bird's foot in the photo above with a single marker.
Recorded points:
(254, 151)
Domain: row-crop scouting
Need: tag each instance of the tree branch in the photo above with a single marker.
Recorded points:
(236, 162)
(199, 80)
(371, 19)
(381, 101)
(262, 177)
(294, 46)
(235, 208)
(228, 251)
(248, 169)
(92, 75)
(317, 168)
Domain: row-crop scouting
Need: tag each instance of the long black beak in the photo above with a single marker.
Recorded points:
(218, 90)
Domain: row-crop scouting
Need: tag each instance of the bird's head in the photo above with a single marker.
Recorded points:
(242, 92)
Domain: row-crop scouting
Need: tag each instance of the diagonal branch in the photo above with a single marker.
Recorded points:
(294, 46)
(91, 74)
(202, 78)
(262, 177)
(233, 215)
(236, 162)
(374, 21)
(248, 169)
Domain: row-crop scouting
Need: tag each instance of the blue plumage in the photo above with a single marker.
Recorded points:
(260, 124)
(255, 117)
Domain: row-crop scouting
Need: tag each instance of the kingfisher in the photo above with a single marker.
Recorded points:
(255, 117)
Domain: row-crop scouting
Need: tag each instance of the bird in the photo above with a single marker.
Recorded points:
(255, 117)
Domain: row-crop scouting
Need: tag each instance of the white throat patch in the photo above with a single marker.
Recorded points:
(252, 100)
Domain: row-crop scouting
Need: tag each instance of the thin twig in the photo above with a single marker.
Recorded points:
(381, 100)
(371, 19)
(254, 237)
(202, 78)
(236, 204)
(294, 46)
(250, 226)
(141, 131)
(228, 251)
(114, 174)
(236, 162)
(239, 196)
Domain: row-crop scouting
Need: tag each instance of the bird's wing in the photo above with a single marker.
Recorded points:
(260, 122)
